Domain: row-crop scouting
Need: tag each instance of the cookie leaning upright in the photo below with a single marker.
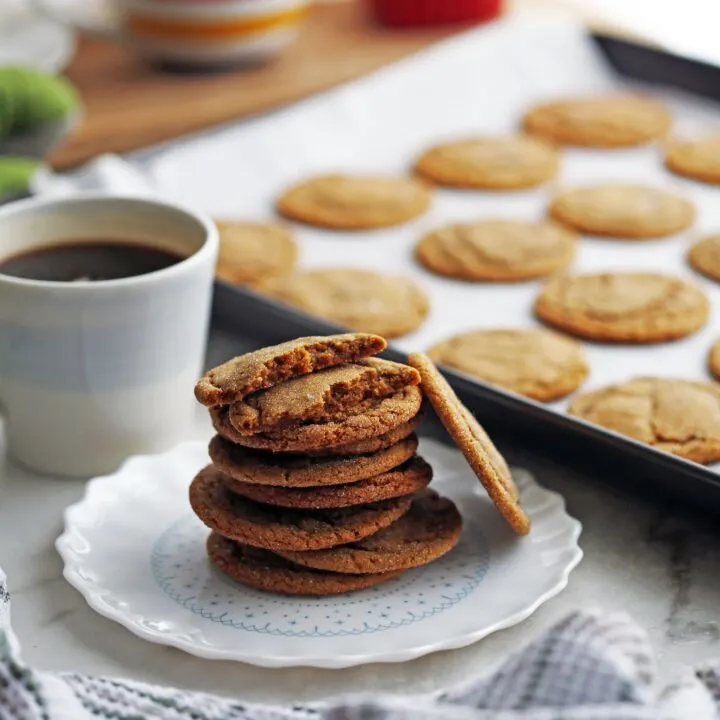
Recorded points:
(482, 456)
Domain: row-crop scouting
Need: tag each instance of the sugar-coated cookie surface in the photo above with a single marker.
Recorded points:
(714, 359)
(355, 202)
(235, 379)
(623, 307)
(276, 528)
(490, 163)
(265, 570)
(410, 477)
(679, 416)
(301, 471)
(251, 251)
(698, 158)
(482, 455)
(497, 250)
(384, 415)
(322, 396)
(704, 256)
(426, 532)
(623, 211)
(370, 444)
(537, 363)
(603, 121)
(363, 300)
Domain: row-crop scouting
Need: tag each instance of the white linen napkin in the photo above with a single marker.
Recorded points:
(106, 173)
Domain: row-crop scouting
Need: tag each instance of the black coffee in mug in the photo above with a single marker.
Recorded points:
(75, 260)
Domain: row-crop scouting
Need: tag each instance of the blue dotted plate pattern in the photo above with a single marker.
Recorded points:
(181, 569)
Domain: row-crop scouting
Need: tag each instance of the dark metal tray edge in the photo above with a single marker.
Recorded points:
(660, 67)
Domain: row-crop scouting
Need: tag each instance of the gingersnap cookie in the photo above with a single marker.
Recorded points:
(365, 446)
(381, 417)
(301, 471)
(388, 305)
(251, 251)
(499, 250)
(489, 163)
(678, 416)
(623, 307)
(426, 532)
(261, 369)
(537, 363)
(604, 121)
(371, 444)
(623, 211)
(264, 570)
(355, 202)
(408, 478)
(323, 396)
(480, 452)
(714, 359)
(704, 256)
(275, 528)
(698, 159)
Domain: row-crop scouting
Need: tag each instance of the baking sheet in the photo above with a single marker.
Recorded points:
(479, 82)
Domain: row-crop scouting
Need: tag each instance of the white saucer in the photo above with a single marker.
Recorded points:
(136, 552)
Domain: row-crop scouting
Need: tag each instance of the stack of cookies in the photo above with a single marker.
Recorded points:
(315, 487)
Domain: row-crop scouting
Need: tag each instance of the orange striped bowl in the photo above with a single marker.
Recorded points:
(202, 32)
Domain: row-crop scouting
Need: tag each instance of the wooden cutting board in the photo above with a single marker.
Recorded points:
(130, 105)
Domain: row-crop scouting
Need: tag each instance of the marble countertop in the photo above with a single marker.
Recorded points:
(659, 567)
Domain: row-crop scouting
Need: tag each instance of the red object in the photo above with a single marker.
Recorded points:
(413, 13)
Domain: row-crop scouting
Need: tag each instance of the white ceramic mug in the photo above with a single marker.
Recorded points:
(189, 32)
(92, 372)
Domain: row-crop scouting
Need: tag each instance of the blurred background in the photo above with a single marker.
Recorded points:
(135, 73)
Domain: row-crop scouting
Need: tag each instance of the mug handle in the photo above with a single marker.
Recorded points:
(106, 26)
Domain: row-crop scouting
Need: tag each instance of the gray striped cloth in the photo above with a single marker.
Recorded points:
(589, 666)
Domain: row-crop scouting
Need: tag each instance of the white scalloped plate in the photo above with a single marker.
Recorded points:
(132, 547)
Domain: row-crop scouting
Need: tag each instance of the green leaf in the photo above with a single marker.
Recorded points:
(32, 98)
(16, 174)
